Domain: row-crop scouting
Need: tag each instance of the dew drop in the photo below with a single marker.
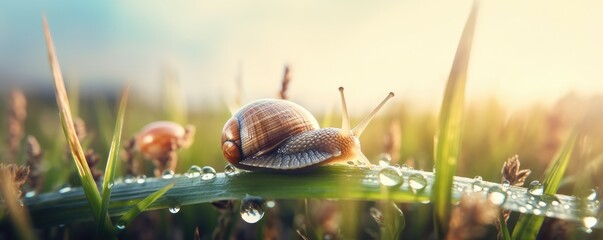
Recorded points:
(555, 203)
(537, 211)
(121, 225)
(129, 179)
(252, 209)
(592, 195)
(110, 185)
(478, 178)
(536, 188)
(477, 185)
(174, 209)
(506, 184)
(417, 182)
(522, 209)
(167, 174)
(404, 167)
(589, 223)
(230, 170)
(30, 194)
(497, 195)
(351, 163)
(141, 179)
(208, 173)
(270, 204)
(390, 176)
(541, 203)
(193, 172)
(385, 159)
(65, 189)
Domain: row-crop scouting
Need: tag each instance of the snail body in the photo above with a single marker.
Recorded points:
(279, 135)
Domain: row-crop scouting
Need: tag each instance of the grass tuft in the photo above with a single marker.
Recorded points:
(108, 180)
(528, 225)
(450, 126)
(88, 184)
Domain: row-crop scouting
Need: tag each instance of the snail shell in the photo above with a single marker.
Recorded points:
(279, 135)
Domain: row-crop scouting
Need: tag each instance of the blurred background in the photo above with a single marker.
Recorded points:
(524, 52)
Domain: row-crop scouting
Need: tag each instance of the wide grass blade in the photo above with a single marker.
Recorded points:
(528, 225)
(450, 126)
(83, 169)
(111, 159)
(504, 229)
(127, 218)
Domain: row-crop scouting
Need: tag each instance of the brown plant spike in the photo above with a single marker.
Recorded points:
(285, 83)
(17, 175)
(510, 172)
(468, 220)
(34, 159)
(17, 113)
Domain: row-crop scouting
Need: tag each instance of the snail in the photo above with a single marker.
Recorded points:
(279, 135)
(159, 141)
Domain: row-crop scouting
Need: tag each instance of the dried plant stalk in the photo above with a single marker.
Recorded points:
(285, 83)
(34, 159)
(17, 113)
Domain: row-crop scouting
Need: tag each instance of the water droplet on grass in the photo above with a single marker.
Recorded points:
(65, 189)
(129, 179)
(121, 225)
(592, 195)
(385, 159)
(589, 223)
(477, 185)
(252, 209)
(270, 204)
(193, 172)
(30, 194)
(174, 209)
(536, 188)
(390, 176)
(230, 170)
(141, 179)
(167, 174)
(417, 182)
(497, 195)
(478, 178)
(208, 173)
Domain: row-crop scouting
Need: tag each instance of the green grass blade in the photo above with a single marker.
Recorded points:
(83, 169)
(450, 126)
(528, 225)
(127, 218)
(111, 159)
(504, 229)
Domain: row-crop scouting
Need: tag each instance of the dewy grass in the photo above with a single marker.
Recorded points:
(528, 225)
(361, 184)
(108, 180)
(88, 184)
(448, 140)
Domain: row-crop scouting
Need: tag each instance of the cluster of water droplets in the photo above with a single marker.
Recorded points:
(403, 176)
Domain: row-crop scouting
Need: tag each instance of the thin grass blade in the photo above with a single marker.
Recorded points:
(450, 126)
(528, 225)
(88, 184)
(127, 218)
(113, 156)
(504, 229)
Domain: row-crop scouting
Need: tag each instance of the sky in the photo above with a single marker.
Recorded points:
(524, 51)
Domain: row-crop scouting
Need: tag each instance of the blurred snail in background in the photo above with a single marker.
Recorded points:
(159, 142)
(279, 135)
